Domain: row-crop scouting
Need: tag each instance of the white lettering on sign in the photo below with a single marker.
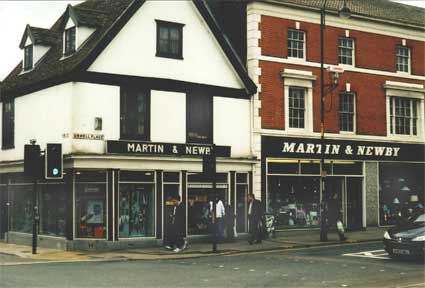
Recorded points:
(335, 149)
(145, 148)
(198, 150)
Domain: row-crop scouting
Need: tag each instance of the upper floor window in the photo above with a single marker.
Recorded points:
(404, 116)
(169, 42)
(296, 41)
(346, 112)
(345, 51)
(296, 107)
(199, 117)
(135, 114)
(403, 59)
(69, 46)
(28, 57)
(8, 124)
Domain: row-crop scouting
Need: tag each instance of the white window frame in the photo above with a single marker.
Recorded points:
(410, 91)
(409, 59)
(353, 52)
(354, 114)
(299, 79)
(304, 45)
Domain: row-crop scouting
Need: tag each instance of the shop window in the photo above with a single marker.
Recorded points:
(296, 107)
(199, 218)
(310, 167)
(200, 178)
(345, 51)
(401, 190)
(404, 116)
(296, 43)
(294, 201)
(403, 59)
(8, 124)
(28, 57)
(169, 40)
(346, 112)
(347, 168)
(283, 167)
(21, 209)
(136, 204)
(52, 209)
(135, 114)
(241, 202)
(90, 206)
(199, 117)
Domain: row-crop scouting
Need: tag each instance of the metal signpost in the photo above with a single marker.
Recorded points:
(209, 170)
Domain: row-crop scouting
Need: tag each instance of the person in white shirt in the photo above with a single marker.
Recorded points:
(219, 216)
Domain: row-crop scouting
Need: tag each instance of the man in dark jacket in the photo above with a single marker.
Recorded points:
(175, 233)
(255, 213)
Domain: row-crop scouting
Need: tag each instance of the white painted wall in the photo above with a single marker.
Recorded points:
(133, 50)
(232, 125)
(168, 117)
(90, 101)
(43, 115)
(82, 34)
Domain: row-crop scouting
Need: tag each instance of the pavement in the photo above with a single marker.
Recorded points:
(11, 254)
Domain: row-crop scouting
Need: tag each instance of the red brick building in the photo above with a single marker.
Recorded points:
(374, 117)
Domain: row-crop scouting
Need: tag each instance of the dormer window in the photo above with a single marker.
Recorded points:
(28, 57)
(69, 46)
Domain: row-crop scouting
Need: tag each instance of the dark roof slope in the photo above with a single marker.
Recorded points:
(55, 69)
(377, 9)
(86, 17)
(39, 36)
(111, 16)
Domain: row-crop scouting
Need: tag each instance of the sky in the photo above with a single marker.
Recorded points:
(15, 15)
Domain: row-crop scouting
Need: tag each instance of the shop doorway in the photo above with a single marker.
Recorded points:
(345, 201)
(354, 217)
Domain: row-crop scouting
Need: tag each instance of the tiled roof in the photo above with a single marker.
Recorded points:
(378, 9)
(108, 16)
(53, 67)
(40, 36)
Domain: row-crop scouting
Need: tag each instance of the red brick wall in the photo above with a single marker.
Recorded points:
(372, 51)
(370, 99)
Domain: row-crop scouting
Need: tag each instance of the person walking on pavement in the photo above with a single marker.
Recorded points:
(176, 238)
(335, 216)
(255, 214)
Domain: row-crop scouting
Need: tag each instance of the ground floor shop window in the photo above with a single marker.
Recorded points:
(137, 205)
(401, 189)
(294, 201)
(90, 206)
(199, 216)
(241, 202)
(52, 209)
(21, 208)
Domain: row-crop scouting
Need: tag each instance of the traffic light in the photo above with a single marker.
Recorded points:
(54, 163)
(32, 161)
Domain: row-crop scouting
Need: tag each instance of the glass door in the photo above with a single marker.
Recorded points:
(334, 193)
(354, 203)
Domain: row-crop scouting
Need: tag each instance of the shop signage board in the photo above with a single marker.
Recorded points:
(286, 147)
(163, 149)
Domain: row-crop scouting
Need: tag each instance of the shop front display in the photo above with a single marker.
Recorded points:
(401, 190)
(52, 209)
(90, 204)
(137, 204)
(21, 208)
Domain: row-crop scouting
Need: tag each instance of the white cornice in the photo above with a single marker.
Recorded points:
(346, 68)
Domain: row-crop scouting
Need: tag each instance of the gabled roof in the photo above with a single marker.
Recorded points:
(111, 17)
(39, 36)
(85, 17)
(384, 10)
